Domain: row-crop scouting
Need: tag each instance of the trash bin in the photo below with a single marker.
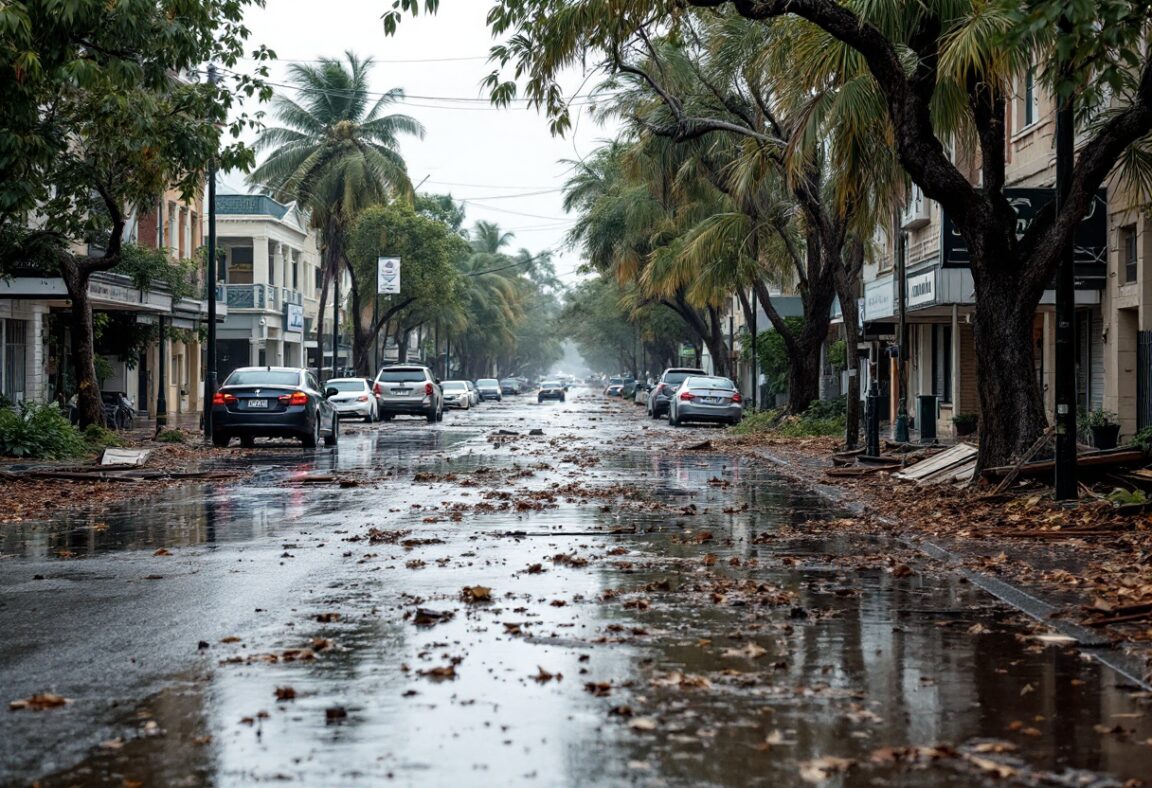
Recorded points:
(927, 408)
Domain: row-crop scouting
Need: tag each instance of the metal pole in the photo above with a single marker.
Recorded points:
(375, 335)
(210, 355)
(162, 382)
(1066, 487)
(755, 352)
(900, 425)
(335, 318)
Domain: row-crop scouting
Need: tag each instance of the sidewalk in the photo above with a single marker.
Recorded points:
(1015, 546)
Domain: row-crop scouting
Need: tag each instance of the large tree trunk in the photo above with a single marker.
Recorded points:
(89, 406)
(1011, 405)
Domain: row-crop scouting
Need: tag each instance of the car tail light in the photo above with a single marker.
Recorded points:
(295, 398)
(428, 389)
(687, 395)
(222, 398)
(376, 389)
(362, 398)
(736, 396)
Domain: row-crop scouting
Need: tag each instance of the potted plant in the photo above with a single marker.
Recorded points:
(1105, 428)
(964, 424)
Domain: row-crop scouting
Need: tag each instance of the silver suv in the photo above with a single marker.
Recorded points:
(409, 389)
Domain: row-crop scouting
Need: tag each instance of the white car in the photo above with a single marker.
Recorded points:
(353, 398)
(475, 392)
(456, 394)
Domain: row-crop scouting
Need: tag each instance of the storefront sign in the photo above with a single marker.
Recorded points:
(879, 302)
(1090, 250)
(922, 288)
(294, 318)
(387, 275)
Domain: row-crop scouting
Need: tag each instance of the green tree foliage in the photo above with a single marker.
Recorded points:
(429, 250)
(336, 153)
(98, 120)
(614, 335)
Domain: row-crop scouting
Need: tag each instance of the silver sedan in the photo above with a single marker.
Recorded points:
(705, 398)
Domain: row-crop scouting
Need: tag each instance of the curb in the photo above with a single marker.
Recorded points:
(1026, 600)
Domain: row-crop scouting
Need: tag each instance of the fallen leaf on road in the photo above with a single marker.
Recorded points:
(642, 724)
(442, 673)
(544, 676)
(162, 551)
(335, 713)
(285, 693)
(39, 702)
(821, 769)
(751, 651)
(476, 594)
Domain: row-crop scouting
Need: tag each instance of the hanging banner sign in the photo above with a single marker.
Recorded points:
(387, 275)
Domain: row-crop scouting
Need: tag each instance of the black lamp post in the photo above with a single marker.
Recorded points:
(1066, 486)
(210, 355)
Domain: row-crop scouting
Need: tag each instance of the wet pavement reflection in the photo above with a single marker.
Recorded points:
(646, 615)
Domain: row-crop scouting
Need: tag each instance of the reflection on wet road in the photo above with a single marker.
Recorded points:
(638, 614)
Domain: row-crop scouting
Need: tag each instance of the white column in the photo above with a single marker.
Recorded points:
(260, 260)
(278, 263)
(956, 410)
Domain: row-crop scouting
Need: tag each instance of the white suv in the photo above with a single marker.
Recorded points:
(409, 389)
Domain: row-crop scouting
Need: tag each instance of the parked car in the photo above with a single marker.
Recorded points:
(409, 389)
(354, 398)
(511, 386)
(615, 387)
(706, 398)
(473, 392)
(662, 392)
(273, 402)
(489, 388)
(628, 390)
(456, 394)
(550, 389)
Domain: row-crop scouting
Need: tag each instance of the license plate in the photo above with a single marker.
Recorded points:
(401, 392)
(257, 403)
(711, 400)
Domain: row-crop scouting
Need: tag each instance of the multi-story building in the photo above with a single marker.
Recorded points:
(268, 270)
(34, 335)
(1111, 287)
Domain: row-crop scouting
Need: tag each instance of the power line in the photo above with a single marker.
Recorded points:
(521, 213)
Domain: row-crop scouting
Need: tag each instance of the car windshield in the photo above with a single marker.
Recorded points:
(615, 381)
(487, 382)
(347, 385)
(709, 383)
(263, 377)
(402, 376)
(510, 381)
(551, 384)
(453, 385)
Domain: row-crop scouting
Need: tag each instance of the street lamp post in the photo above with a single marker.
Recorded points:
(210, 355)
(900, 424)
(1066, 486)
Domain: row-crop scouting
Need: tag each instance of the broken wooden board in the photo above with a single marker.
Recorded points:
(125, 457)
(1096, 459)
(947, 459)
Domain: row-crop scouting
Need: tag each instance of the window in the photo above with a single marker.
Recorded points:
(1030, 97)
(15, 359)
(1128, 253)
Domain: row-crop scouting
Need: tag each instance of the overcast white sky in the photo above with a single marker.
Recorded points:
(503, 164)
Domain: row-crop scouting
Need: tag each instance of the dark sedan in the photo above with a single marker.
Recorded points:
(550, 389)
(273, 402)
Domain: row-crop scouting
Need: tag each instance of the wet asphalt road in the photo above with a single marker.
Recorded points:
(646, 615)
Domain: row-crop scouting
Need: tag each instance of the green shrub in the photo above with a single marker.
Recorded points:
(823, 417)
(38, 431)
(171, 436)
(100, 437)
(1143, 439)
(753, 423)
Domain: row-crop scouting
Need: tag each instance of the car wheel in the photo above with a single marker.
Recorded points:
(221, 439)
(247, 441)
(675, 422)
(310, 440)
(562, 398)
(440, 413)
(331, 440)
(431, 416)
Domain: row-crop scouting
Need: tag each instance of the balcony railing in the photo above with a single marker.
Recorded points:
(258, 296)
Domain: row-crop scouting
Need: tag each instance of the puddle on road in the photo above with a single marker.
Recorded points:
(686, 660)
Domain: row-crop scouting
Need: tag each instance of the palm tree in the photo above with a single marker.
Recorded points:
(487, 237)
(336, 153)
